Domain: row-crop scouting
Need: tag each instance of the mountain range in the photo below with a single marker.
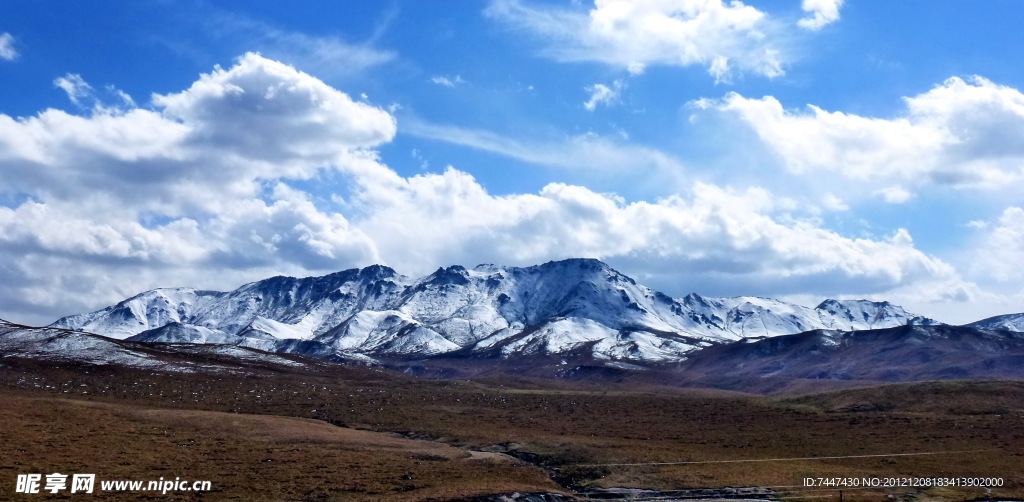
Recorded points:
(553, 308)
(575, 306)
(577, 319)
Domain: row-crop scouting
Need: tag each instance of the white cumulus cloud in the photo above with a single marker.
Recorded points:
(1002, 248)
(822, 13)
(713, 236)
(632, 34)
(7, 50)
(85, 96)
(76, 87)
(962, 133)
(833, 202)
(187, 191)
(603, 94)
(895, 194)
(287, 114)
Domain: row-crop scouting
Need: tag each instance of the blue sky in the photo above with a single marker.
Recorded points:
(795, 149)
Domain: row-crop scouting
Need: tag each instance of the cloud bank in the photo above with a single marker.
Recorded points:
(200, 189)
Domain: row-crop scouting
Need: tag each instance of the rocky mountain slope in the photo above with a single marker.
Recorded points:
(898, 354)
(565, 307)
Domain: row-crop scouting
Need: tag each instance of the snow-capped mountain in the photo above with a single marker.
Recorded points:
(576, 306)
(1008, 322)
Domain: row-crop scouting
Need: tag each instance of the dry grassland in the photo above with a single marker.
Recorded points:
(139, 424)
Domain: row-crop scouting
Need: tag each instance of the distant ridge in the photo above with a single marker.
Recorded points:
(1009, 322)
(63, 346)
(898, 354)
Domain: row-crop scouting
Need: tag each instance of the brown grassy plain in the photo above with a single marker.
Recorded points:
(251, 434)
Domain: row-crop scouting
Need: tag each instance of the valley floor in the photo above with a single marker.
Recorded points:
(246, 457)
(353, 433)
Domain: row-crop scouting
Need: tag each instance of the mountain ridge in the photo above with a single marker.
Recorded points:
(897, 354)
(70, 346)
(1009, 322)
(787, 364)
(553, 308)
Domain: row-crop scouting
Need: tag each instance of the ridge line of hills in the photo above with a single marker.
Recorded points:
(569, 311)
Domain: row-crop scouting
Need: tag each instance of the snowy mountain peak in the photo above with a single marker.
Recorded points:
(694, 300)
(587, 267)
(143, 311)
(865, 314)
(453, 275)
(592, 264)
(377, 272)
